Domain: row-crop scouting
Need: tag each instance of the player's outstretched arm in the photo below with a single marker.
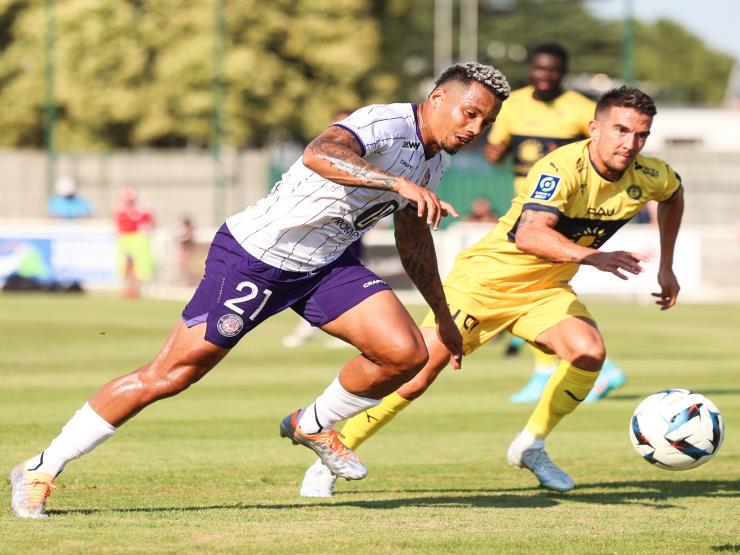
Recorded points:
(416, 250)
(670, 214)
(336, 155)
(536, 235)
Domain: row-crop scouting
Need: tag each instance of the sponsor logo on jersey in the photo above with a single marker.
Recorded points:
(375, 213)
(425, 179)
(546, 186)
(634, 192)
(601, 211)
(345, 227)
(371, 283)
(229, 325)
(652, 172)
(411, 144)
(406, 164)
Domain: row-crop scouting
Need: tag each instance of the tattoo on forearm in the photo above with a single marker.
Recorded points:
(419, 259)
(347, 161)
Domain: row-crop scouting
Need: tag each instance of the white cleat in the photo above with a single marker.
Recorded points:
(535, 459)
(29, 491)
(339, 458)
(318, 481)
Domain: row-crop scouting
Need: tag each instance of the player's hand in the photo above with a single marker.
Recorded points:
(450, 337)
(616, 262)
(669, 289)
(426, 202)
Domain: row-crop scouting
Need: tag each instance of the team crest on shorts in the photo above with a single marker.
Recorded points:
(546, 186)
(229, 325)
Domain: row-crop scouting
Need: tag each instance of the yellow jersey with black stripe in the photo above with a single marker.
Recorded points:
(590, 210)
(532, 128)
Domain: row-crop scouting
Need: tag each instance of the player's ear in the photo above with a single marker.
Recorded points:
(437, 96)
(594, 128)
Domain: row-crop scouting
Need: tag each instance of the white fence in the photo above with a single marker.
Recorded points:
(707, 259)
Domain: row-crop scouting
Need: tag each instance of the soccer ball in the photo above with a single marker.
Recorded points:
(676, 429)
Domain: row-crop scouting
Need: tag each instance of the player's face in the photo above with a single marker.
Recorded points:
(618, 134)
(545, 74)
(462, 113)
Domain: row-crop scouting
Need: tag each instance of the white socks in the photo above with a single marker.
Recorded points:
(527, 440)
(333, 405)
(83, 433)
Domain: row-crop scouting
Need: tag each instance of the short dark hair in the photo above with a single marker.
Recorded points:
(473, 72)
(627, 97)
(553, 49)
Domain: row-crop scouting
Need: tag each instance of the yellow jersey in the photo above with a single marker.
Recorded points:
(590, 208)
(532, 128)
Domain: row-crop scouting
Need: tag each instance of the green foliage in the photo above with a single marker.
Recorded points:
(680, 68)
(142, 73)
(132, 73)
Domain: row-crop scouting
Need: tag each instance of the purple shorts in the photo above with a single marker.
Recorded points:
(238, 291)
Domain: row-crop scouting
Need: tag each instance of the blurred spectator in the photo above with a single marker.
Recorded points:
(185, 237)
(135, 255)
(481, 211)
(66, 203)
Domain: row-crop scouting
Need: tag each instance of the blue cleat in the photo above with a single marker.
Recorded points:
(532, 391)
(611, 377)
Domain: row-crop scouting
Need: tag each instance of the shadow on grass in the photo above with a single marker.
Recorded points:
(655, 494)
(504, 501)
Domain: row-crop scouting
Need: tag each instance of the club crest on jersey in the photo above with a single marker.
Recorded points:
(426, 177)
(634, 192)
(546, 186)
(229, 325)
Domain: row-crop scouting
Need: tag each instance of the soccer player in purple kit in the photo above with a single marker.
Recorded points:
(288, 251)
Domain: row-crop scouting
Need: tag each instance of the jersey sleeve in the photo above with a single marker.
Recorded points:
(376, 128)
(549, 186)
(669, 186)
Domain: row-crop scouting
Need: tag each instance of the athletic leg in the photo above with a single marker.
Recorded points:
(183, 360)
(318, 480)
(580, 347)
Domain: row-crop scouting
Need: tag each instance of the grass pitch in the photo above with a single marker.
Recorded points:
(205, 472)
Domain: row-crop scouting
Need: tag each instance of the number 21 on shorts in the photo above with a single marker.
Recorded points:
(253, 292)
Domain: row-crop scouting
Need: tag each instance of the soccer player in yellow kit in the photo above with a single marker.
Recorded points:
(534, 121)
(517, 277)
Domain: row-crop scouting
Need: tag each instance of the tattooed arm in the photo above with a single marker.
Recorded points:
(536, 235)
(419, 259)
(336, 156)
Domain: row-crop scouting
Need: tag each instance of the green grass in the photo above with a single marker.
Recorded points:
(206, 472)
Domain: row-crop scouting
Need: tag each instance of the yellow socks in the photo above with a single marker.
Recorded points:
(364, 425)
(565, 390)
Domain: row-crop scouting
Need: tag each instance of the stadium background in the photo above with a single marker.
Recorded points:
(202, 107)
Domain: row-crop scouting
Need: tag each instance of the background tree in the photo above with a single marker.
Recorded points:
(133, 73)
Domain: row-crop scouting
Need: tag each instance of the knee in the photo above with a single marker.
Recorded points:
(589, 354)
(406, 356)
